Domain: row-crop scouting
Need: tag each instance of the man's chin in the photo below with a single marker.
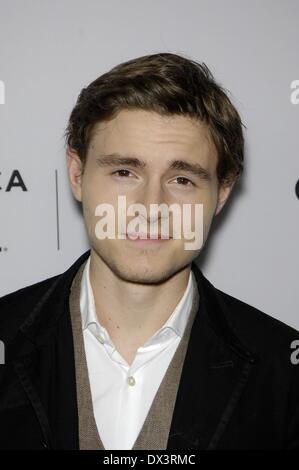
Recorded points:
(142, 274)
(138, 269)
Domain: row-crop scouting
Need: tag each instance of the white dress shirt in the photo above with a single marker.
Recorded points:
(121, 393)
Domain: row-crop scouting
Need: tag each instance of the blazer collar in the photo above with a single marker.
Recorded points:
(43, 319)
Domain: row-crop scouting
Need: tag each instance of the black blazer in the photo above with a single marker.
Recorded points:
(238, 389)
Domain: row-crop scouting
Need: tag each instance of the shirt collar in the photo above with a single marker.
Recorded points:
(176, 322)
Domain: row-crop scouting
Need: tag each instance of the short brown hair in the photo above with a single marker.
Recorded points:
(168, 84)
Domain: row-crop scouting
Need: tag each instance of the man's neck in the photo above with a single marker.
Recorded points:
(131, 312)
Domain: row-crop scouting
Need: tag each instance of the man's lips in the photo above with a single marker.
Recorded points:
(147, 237)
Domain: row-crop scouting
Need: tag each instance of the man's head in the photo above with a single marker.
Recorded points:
(156, 129)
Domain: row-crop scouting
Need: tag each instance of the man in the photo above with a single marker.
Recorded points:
(132, 347)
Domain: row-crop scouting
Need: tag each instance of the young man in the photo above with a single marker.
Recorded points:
(132, 347)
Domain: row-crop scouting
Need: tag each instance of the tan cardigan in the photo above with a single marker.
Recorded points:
(155, 430)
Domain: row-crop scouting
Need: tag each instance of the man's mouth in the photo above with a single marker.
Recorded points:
(147, 237)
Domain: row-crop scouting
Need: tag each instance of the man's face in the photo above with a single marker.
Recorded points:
(156, 141)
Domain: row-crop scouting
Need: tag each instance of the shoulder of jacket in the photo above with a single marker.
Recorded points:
(17, 305)
(265, 333)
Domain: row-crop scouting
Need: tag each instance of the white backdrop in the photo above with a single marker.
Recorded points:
(50, 49)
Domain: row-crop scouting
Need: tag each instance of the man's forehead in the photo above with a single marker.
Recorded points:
(131, 138)
(179, 128)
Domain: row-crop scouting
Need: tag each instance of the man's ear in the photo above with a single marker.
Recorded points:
(223, 194)
(75, 168)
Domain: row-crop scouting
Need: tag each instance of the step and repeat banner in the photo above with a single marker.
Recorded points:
(50, 50)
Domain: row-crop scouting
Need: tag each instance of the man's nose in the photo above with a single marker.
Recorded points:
(152, 193)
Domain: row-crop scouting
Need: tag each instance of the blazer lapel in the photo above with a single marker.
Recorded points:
(215, 372)
(42, 355)
(47, 376)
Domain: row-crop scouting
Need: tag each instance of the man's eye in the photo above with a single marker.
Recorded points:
(122, 173)
(184, 181)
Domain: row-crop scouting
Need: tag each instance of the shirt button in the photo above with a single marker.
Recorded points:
(131, 380)
(100, 339)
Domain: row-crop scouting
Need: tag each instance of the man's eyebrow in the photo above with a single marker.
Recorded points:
(114, 159)
(194, 168)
